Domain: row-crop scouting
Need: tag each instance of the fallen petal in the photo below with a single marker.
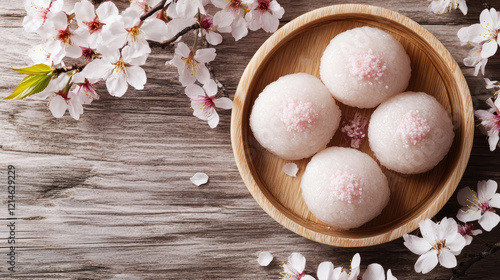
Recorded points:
(199, 179)
(291, 169)
(265, 258)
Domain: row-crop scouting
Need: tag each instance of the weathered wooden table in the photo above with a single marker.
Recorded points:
(109, 196)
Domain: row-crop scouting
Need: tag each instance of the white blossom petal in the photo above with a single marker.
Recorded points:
(465, 195)
(155, 30)
(194, 91)
(489, 48)
(447, 259)
(390, 276)
(117, 83)
(205, 55)
(416, 245)
(325, 271)
(374, 271)
(136, 77)
(210, 88)
(58, 106)
(199, 179)
(290, 169)
(489, 220)
(307, 277)
(297, 261)
(214, 38)
(182, 50)
(213, 119)
(486, 190)
(264, 258)
(269, 22)
(495, 201)
(223, 103)
(426, 262)
(223, 18)
(468, 214)
(428, 230)
(106, 12)
(203, 74)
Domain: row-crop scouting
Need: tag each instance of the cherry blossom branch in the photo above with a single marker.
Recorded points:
(156, 8)
(463, 266)
(74, 67)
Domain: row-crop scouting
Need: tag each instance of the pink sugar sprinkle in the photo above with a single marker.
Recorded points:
(413, 128)
(297, 115)
(367, 65)
(346, 186)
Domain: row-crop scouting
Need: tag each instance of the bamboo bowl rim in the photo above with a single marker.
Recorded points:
(240, 127)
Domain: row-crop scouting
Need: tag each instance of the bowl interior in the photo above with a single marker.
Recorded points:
(412, 196)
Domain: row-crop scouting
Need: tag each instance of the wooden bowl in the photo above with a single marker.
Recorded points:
(297, 47)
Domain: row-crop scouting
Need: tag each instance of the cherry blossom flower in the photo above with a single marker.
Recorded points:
(264, 258)
(191, 66)
(37, 12)
(484, 33)
(490, 120)
(130, 29)
(265, 14)
(444, 6)
(293, 269)
(231, 17)
(467, 231)
(57, 29)
(203, 102)
(62, 99)
(209, 30)
(475, 60)
(92, 21)
(85, 88)
(479, 206)
(355, 130)
(118, 70)
(199, 179)
(40, 53)
(440, 243)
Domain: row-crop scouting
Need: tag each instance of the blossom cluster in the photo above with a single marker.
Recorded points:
(484, 37)
(294, 269)
(442, 241)
(112, 46)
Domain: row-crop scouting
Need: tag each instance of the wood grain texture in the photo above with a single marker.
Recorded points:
(109, 197)
(298, 47)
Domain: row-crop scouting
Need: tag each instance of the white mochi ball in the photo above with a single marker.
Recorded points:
(410, 133)
(344, 187)
(364, 66)
(294, 117)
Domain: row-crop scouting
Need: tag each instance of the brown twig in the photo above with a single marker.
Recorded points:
(463, 266)
(153, 10)
(181, 33)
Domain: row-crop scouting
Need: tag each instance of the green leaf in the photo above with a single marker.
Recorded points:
(30, 85)
(37, 69)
